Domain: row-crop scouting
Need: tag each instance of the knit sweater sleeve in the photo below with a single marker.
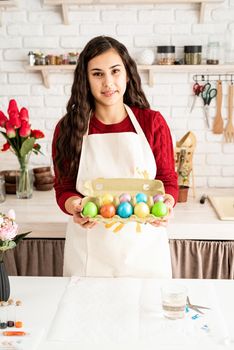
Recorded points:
(65, 188)
(162, 147)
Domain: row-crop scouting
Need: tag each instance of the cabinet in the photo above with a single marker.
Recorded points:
(219, 69)
(64, 4)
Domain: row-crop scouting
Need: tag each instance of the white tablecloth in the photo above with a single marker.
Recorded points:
(122, 313)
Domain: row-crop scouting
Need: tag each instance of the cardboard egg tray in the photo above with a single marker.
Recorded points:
(99, 187)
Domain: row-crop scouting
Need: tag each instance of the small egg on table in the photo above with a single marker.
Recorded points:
(107, 210)
(141, 197)
(125, 210)
(158, 198)
(107, 198)
(124, 197)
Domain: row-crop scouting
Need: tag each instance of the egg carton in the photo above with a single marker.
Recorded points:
(95, 189)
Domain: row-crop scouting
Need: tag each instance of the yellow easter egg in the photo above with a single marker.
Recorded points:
(141, 210)
(107, 198)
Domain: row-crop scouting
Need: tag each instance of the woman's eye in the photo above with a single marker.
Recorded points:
(115, 71)
(97, 74)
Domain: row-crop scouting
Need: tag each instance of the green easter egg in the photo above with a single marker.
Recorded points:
(159, 209)
(90, 209)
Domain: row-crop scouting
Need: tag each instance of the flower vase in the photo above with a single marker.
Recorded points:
(24, 179)
(4, 283)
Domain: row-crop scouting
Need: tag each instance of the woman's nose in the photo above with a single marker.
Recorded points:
(108, 81)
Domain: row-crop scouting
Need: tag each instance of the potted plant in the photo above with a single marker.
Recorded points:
(183, 170)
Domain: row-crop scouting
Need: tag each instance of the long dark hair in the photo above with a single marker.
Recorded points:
(75, 122)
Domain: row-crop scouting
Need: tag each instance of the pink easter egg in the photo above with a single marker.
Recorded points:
(158, 198)
(124, 197)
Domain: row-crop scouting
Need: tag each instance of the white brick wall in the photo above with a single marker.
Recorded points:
(33, 26)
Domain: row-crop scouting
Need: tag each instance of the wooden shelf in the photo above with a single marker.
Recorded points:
(219, 69)
(65, 3)
(4, 4)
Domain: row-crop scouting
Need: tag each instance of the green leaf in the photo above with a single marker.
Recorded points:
(27, 146)
(19, 237)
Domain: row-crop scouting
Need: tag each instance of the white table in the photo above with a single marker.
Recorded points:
(41, 295)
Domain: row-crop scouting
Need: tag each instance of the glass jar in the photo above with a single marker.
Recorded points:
(193, 54)
(166, 55)
(2, 189)
(213, 53)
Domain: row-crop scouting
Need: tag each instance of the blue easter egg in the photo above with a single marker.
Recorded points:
(125, 210)
(141, 197)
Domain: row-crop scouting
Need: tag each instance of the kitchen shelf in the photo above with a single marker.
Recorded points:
(219, 69)
(4, 4)
(65, 3)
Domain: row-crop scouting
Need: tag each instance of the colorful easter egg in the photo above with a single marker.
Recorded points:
(159, 209)
(107, 198)
(124, 197)
(141, 197)
(90, 209)
(158, 198)
(125, 210)
(141, 210)
(107, 210)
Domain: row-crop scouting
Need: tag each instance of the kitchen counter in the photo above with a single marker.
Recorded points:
(191, 220)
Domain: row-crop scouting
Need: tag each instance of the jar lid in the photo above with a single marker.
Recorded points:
(193, 49)
(166, 49)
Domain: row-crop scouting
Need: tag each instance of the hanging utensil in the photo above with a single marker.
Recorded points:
(229, 129)
(218, 121)
(197, 89)
(207, 95)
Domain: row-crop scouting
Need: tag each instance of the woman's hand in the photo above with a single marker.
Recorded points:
(76, 209)
(169, 201)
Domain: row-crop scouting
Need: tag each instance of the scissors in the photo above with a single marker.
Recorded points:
(207, 95)
(196, 307)
(197, 89)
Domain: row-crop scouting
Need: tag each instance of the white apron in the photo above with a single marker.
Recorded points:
(99, 251)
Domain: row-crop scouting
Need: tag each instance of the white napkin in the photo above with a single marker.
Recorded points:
(98, 311)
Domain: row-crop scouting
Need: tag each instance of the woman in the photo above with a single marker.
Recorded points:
(109, 131)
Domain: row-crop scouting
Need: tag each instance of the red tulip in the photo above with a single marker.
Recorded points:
(12, 107)
(23, 114)
(10, 130)
(38, 134)
(5, 147)
(25, 129)
(3, 119)
(15, 120)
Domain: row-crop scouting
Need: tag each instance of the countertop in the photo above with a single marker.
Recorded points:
(143, 311)
(191, 220)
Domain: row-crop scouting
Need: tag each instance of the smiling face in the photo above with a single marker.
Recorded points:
(107, 78)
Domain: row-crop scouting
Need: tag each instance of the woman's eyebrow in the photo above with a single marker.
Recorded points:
(98, 69)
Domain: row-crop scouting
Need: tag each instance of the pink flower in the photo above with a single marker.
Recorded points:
(3, 119)
(5, 147)
(23, 114)
(25, 129)
(10, 130)
(38, 134)
(11, 214)
(8, 228)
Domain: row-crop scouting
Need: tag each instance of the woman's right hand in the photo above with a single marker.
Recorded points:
(76, 208)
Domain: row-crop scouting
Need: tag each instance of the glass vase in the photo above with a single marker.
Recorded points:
(24, 179)
(4, 283)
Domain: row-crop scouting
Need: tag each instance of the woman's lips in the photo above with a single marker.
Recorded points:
(108, 93)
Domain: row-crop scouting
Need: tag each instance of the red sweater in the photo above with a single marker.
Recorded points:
(158, 135)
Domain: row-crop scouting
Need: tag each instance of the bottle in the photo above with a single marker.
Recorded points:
(18, 314)
(193, 54)
(3, 314)
(2, 189)
(10, 313)
(166, 55)
(31, 58)
(213, 53)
